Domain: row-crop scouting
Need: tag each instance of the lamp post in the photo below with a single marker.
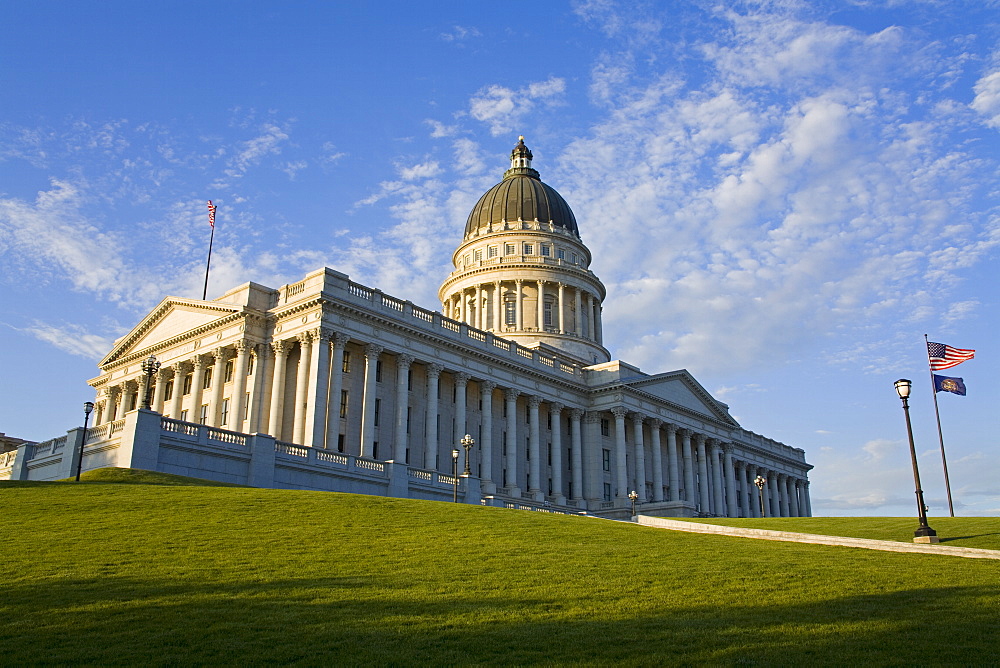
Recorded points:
(924, 534)
(467, 443)
(88, 407)
(454, 475)
(760, 481)
(633, 496)
(149, 367)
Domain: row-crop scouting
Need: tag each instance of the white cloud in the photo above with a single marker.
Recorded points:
(423, 170)
(987, 100)
(461, 33)
(503, 108)
(253, 151)
(72, 339)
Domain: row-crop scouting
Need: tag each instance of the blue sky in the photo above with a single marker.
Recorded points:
(781, 197)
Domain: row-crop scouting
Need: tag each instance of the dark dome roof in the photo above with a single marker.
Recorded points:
(521, 195)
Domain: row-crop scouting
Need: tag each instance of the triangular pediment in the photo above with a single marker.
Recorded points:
(681, 389)
(172, 318)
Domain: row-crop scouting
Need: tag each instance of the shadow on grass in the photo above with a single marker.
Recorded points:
(364, 620)
(978, 535)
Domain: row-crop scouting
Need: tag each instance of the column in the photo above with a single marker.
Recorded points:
(239, 386)
(598, 324)
(275, 420)
(576, 453)
(403, 363)
(220, 356)
(197, 380)
(621, 459)
(730, 481)
(431, 425)
(159, 380)
(640, 456)
(534, 449)
(302, 383)
(372, 351)
(593, 473)
(510, 395)
(590, 316)
(497, 307)
(114, 393)
(793, 497)
(673, 472)
(718, 506)
(806, 501)
(541, 306)
(562, 308)
(461, 418)
(703, 483)
(654, 445)
(519, 310)
(480, 320)
(578, 324)
(178, 392)
(258, 406)
(752, 493)
(317, 389)
(775, 500)
(338, 342)
(783, 494)
(142, 384)
(741, 489)
(688, 457)
(486, 438)
(555, 416)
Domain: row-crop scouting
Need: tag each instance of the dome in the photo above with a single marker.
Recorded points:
(521, 196)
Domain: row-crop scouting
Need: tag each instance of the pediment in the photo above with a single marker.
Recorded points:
(681, 388)
(172, 318)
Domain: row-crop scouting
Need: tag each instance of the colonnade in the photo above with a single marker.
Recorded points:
(662, 462)
(484, 307)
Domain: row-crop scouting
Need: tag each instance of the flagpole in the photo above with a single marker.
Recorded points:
(937, 414)
(211, 240)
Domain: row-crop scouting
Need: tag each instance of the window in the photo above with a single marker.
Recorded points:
(340, 442)
(187, 384)
(606, 459)
(529, 249)
(477, 255)
(375, 450)
(203, 414)
(550, 459)
(550, 486)
(246, 406)
(605, 427)
(546, 250)
(548, 314)
(492, 251)
(184, 416)
(548, 423)
(508, 249)
(346, 368)
(250, 363)
(343, 403)
(132, 401)
(510, 313)
(225, 412)
(607, 491)
(409, 380)
(561, 254)
(168, 390)
(207, 379)
(467, 258)
(378, 409)
(229, 371)
(409, 411)
(378, 371)
(575, 259)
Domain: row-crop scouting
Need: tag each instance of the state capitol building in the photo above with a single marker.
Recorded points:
(331, 385)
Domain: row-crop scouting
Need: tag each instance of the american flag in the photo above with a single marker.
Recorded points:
(211, 214)
(942, 356)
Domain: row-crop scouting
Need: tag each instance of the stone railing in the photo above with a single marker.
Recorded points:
(45, 448)
(7, 458)
(291, 449)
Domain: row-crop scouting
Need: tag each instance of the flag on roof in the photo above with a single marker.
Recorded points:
(211, 214)
(942, 356)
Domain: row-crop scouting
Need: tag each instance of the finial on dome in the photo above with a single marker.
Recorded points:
(520, 138)
(520, 160)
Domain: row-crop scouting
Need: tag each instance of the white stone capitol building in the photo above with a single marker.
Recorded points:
(328, 384)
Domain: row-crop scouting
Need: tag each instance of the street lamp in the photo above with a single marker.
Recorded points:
(149, 367)
(924, 534)
(467, 443)
(760, 481)
(633, 495)
(88, 407)
(454, 475)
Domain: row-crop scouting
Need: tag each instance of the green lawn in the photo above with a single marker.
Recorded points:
(111, 573)
(981, 532)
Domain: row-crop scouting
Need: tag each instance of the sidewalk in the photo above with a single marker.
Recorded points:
(788, 536)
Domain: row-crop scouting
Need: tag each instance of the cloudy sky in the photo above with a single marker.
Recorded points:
(782, 197)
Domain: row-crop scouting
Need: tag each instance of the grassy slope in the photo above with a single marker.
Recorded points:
(111, 573)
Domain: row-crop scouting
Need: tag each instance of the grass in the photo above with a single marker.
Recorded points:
(981, 532)
(110, 573)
